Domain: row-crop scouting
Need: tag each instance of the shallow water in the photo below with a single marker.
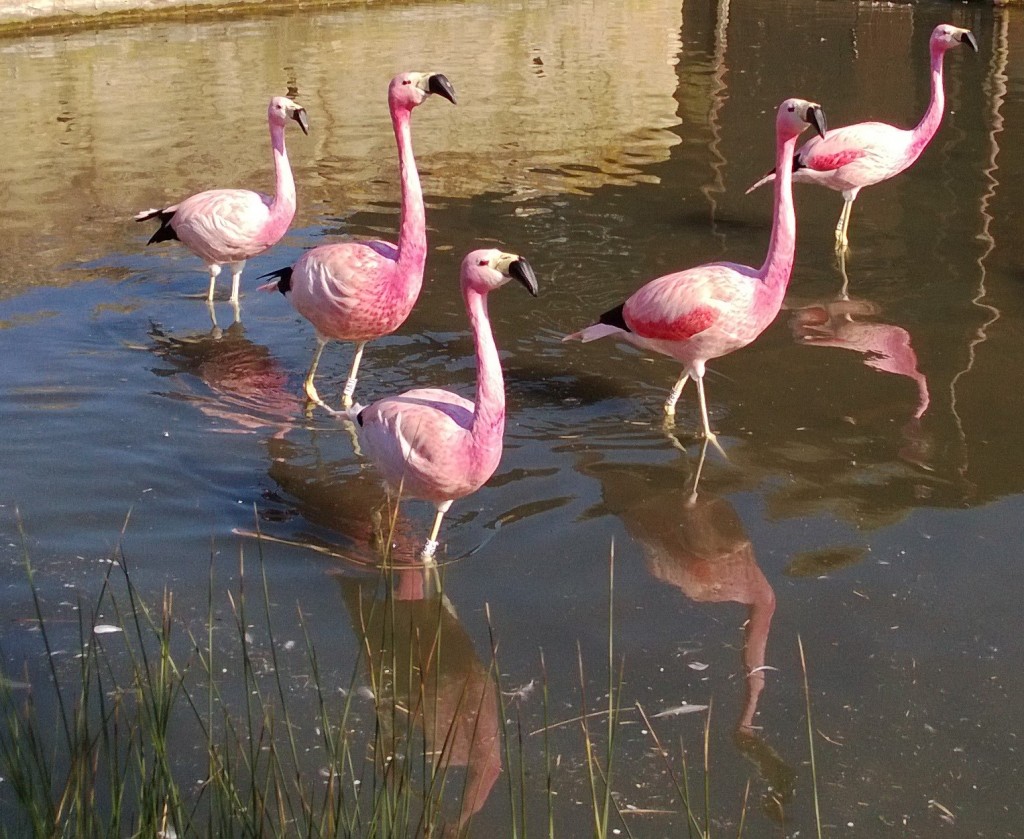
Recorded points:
(875, 476)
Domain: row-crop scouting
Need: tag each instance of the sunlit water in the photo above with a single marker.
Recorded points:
(872, 497)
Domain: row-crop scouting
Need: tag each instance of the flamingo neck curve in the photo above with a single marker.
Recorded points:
(489, 413)
(282, 205)
(778, 263)
(412, 234)
(929, 124)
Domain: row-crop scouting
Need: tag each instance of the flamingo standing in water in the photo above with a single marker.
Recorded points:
(855, 156)
(711, 310)
(228, 226)
(433, 444)
(357, 291)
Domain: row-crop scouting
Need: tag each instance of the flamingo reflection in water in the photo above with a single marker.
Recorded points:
(843, 323)
(697, 543)
(427, 680)
(422, 668)
(247, 390)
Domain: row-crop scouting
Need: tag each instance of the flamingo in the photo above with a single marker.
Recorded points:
(855, 156)
(357, 291)
(228, 226)
(433, 444)
(711, 310)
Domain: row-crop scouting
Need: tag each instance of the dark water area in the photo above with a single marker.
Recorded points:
(871, 501)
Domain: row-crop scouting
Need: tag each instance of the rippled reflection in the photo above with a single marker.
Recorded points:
(428, 682)
(695, 541)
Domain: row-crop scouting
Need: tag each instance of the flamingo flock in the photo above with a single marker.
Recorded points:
(438, 446)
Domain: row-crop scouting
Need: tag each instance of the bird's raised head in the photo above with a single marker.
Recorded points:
(282, 109)
(487, 269)
(945, 36)
(796, 114)
(408, 90)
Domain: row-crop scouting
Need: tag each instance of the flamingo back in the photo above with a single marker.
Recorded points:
(225, 225)
(354, 291)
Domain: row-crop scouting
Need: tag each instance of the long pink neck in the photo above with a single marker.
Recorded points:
(282, 207)
(489, 416)
(412, 235)
(778, 264)
(929, 124)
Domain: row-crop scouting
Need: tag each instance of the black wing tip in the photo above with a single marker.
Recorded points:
(614, 317)
(164, 233)
(283, 277)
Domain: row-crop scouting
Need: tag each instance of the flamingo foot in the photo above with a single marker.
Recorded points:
(314, 397)
(713, 440)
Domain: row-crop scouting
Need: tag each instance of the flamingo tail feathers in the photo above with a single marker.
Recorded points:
(769, 177)
(282, 280)
(164, 232)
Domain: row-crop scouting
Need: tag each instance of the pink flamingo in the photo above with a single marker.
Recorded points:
(855, 156)
(711, 310)
(433, 444)
(228, 226)
(357, 291)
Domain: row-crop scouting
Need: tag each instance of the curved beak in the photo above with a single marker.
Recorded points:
(967, 37)
(299, 115)
(519, 269)
(438, 83)
(816, 117)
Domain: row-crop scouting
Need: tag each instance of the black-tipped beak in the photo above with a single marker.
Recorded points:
(522, 270)
(967, 37)
(300, 117)
(816, 117)
(439, 84)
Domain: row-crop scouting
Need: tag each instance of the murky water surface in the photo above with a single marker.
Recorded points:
(872, 497)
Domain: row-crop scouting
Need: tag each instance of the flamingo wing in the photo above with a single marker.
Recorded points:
(679, 306)
(417, 439)
(223, 223)
(842, 146)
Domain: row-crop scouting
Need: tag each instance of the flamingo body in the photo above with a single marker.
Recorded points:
(229, 226)
(850, 158)
(436, 445)
(712, 310)
(358, 291)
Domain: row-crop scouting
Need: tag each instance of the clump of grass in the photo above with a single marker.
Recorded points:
(112, 763)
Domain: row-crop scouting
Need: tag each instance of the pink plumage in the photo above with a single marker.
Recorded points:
(711, 310)
(436, 445)
(357, 291)
(229, 226)
(850, 158)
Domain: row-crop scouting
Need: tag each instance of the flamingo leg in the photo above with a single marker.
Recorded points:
(673, 397)
(430, 548)
(236, 279)
(214, 273)
(308, 385)
(218, 332)
(696, 477)
(711, 438)
(350, 385)
(842, 242)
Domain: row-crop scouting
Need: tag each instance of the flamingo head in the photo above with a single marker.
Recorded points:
(282, 109)
(945, 36)
(487, 269)
(407, 90)
(796, 114)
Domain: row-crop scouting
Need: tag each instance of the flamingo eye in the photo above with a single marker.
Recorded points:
(792, 108)
(482, 263)
(406, 81)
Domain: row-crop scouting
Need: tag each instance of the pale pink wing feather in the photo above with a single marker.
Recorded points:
(223, 225)
(679, 306)
(874, 143)
(420, 440)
